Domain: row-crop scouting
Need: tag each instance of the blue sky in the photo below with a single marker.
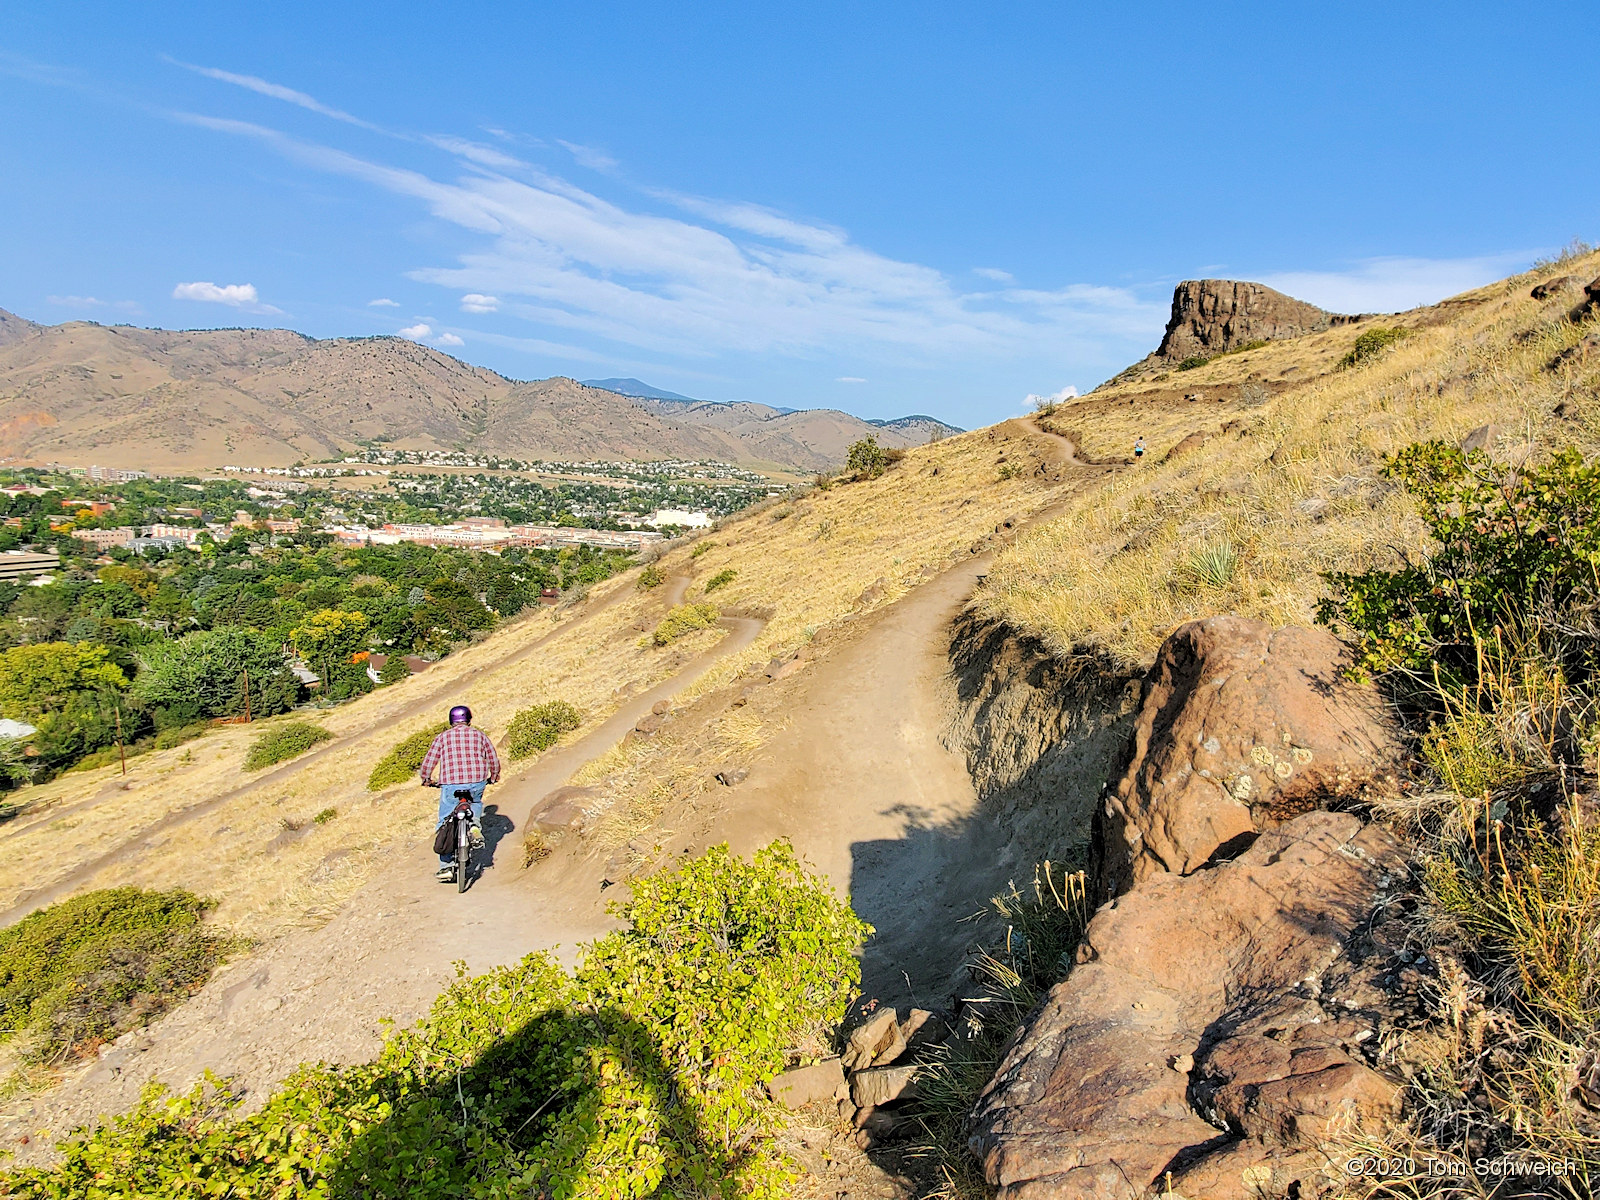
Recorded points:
(887, 208)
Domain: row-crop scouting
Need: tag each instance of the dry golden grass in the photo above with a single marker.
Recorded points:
(1294, 487)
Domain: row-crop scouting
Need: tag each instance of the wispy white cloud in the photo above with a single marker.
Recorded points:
(418, 331)
(234, 295)
(476, 302)
(727, 277)
(850, 379)
(449, 339)
(278, 91)
(1395, 284)
(477, 152)
(383, 302)
(995, 273)
(588, 156)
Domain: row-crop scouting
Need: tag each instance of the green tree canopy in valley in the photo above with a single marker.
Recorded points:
(327, 638)
(48, 676)
(206, 674)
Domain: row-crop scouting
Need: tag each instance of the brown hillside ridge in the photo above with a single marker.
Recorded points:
(200, 399)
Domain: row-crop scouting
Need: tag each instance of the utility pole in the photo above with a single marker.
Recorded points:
(122, 753)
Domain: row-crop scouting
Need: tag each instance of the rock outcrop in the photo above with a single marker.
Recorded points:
(1197, 1038)
(1210, 316)
(1241, 727)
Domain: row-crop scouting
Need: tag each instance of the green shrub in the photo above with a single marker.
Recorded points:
(637, 1075)
(405, 760)
(395, 668)
(80, 972)
(1514, 547)
(1371, 343)
(284, 742)
(651, 577)
(721, 579)
(538, 728)
(866, 458)
(701, 548)
(685, 618)
(326, 815)
(1194, 361)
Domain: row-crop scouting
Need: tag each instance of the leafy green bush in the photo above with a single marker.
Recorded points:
(701, 548)
(637, 1075)
(685, 618)
(866, 458)
(651, 577)
(538, 728)
(284, 742)
(405, 760)
(80, 972)
(395, 668)
(1194, 361)
(1513, 546)
(721, 579)
(1371, 343)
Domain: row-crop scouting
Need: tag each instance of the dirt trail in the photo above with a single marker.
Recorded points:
(863, 784)
(870, 795)
(322, 994)
(424, 701)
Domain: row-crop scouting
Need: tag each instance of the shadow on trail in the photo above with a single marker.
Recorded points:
(496, 827)
(573, 1103)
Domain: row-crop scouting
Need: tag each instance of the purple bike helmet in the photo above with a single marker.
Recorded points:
(461, 715)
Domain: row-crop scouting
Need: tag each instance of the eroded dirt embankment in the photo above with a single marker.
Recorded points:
(1042, 735)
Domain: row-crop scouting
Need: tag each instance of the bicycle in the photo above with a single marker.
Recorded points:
(461, 819)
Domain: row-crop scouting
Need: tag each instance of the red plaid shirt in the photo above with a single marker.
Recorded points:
(463, 755)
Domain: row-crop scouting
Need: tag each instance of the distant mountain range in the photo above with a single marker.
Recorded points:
(637, 388)
(196, 400)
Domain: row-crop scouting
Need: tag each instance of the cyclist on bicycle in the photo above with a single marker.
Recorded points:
(466, 761)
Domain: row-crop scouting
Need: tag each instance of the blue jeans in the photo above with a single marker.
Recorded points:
(447, 805)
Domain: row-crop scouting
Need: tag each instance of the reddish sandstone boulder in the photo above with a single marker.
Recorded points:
(1241, 727)
(1192, 1037)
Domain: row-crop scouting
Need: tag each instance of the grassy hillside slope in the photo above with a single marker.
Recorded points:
(1287, 485)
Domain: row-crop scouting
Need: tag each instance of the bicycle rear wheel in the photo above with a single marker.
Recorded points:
(463, 853)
